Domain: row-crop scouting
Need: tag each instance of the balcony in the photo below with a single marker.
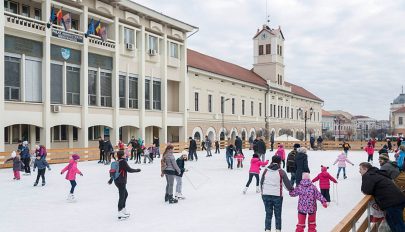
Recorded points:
(98, 42)
(23, 23)
(71, 35)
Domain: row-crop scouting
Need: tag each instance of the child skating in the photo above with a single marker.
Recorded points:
(17, 164)
(308, 194)
(324, 182)
(239, 158)
(370, 152)
(341, 161)
(254, 171)
(72, 170)
(179, 177)
(41, 164)
(281, 152)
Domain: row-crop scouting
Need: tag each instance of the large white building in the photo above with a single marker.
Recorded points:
(397, 115)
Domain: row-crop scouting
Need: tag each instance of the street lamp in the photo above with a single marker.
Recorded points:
(337, 120)
(223, 100)
(304, 115)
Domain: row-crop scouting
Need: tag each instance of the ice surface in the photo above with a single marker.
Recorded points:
(214, 199)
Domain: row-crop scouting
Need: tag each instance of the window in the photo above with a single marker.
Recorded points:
(260, 109)
(33, 81)
(278, 111)
(25, 11)
(37, 134)
(153, 43)
(281, 111)
(281, 50)
(56, 84)
(147, 94)
(92, 87)
(274, 110)
(72, 85)
(268, 48)
(75, 24)
(278, 49)
(157, 95)
(243, 107)
(11, 6)
(122, 82)
(222, 104)
(37, 14)
(174, 50)
(400, 120)
(60, 133)
(233, 105)
(292, 113)
(209, 103)
(195, 101)
(6, 135)
(129, 36)
(105, 89)
(271, 110)
(260, 50)
(251, 108)
(12, 82)
(133, 92)
(94, 132)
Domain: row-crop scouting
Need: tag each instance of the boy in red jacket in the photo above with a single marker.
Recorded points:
(324, 182)
(370, 151)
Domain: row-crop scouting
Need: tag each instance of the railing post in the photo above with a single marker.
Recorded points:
(354, 226)
(368, 217)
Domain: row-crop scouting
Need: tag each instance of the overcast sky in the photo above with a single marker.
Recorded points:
(350, 53)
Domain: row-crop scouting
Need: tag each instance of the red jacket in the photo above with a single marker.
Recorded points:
(369, 150)
(324, 178)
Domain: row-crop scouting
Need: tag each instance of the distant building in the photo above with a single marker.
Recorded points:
(397, 115)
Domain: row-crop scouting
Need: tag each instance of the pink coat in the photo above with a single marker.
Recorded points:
(341, 160)
(369, 150)
(324, 178)
(72, 170)
(280, 152)
(255, 164)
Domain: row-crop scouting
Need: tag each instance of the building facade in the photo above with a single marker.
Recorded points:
(397, 115)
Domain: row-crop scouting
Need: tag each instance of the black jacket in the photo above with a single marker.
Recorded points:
(261, 147)
(383, 189)
(124, 169)
(301, 165)
(107, 146)
(180, 163)
(156, 142)
(193, 145)
(238, 143)
(100, 144)
(291, 161)
(255, 142)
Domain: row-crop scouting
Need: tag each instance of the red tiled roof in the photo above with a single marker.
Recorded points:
(217, 66)
(298, 90)
(400, 110)
(326, 114)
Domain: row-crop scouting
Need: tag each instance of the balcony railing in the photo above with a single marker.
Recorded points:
(24, 21)
(96, 40)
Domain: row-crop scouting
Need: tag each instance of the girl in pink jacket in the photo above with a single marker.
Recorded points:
(254, 171)
(72, 170)
(239, 157)
(281, 152)
(324, 182)
(341, 161)
(370, 151)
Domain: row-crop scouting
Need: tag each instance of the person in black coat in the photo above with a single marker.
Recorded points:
(156, 142)
(217, 151)
(387, 196)
(100, 147)
(192, 149)
(107, 148)
(121, 183)
(238, 145)
(272, 141)
(301, 164)
(261, 149)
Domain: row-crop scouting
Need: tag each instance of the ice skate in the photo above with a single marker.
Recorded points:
(245, 190)
(180, 196)
(345, 177)
(43, 183)
(172, 200)
(124, 211)
(35, 184)
(166, 197)
(278, 230)
(71, 198)
(257, 189)
(122, 215)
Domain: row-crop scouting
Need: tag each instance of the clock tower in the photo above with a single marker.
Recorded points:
(268, 54)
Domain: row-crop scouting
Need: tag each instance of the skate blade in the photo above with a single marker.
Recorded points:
(123, 218)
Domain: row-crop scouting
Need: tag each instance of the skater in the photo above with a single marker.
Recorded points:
(100, 147)
(238, 145)
(319, 141)
(383, 150)
(281, 152)
(370, 152)
(156, 143)
(401, 157)
(133, 142)
(208, 146)
(179, 177)
(239, 158)
(271, 186)
(341, 161)
(291, 163)
(203, 146)
(169, 169)
(312, 142)
(192, 150)
(324, 182)
(272, 141)
(148, 154)
(251, 142)
(346, 146)
(308, 194)
(254, 171)
(40, 150)
(301, 164)
(261, 149)
(217, 151)
(41, 164)
(121, 145)
(26, 158)
(17, 164)
(72, 170)
(230, 149)
(107, 148)
(120, 180)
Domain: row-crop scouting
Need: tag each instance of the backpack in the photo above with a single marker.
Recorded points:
(115, 170)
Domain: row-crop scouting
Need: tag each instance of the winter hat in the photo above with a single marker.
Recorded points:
(302, 150)
(305, 176)
(13, 154)
(75, 157)
(255, 155)
(276, 159)
(25, 143)
(324, 168)
(297, 145)
(384, 156)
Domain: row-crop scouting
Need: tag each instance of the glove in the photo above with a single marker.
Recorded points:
(185, 170)
(81, 174)
(110, 181)
(61, 173)
(325, 205)
(161, 175)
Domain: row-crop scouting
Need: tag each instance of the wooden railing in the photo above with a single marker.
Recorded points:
(351, 221)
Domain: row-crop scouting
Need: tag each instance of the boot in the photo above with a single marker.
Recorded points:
(172, 200)
(121, 215)
(43, 183)
(245, 190)
(344, 177)
(36, 183)
(124, 211)
(257, 189)
(179, 196)
(166, 197)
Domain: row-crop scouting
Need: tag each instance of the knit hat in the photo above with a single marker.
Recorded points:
(75, 157)
(25, 143)
(384, 156)
(297, 145)
(305, 176)
(276, 159)
(13, 154)
(324, 168)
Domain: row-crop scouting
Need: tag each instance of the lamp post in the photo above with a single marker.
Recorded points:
(304, 115)
(337, 120)
(223, 100)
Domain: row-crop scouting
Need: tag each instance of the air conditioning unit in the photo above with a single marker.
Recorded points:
(152, 52)
(56, 108)
(130, 46)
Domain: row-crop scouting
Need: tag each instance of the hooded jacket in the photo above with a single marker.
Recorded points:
(301, 165)
(281, 152)
(17, 163)
(369, 150)
(341, 161)
(124, 168)
(324, 178)
(255, 164)
(273, 179)
(72, 170)
(390, 169)
(308, 194)
(291, 161)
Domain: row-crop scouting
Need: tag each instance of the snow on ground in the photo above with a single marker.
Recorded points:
(214, 199)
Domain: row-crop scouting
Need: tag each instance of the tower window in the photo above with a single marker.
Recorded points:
(260, 50)
(268, 48)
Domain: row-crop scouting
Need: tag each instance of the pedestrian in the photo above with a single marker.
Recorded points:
(301, 164)
(133, 142)
(320, 141)
(26, 158)
(251, 142)
(203, 145)
(308, 195)
(261, 149)
(254, 171)
(100, 147)
(169, 169)
(271, 185)
(119, 176)
(341, 160)
(238, 145)
(324, 182)
(386, 194)
(179, 176)
(388, 167)
(281, 152)
(72, 170)
(41, 164)
(346, 146)
(208, 146)
(239, 158)
(370, 152)
(217, 151)
(230, 150)
(384, 149)
(17, 164)
(192, 149)
(291, 163)
(312, 142)
(272, 141)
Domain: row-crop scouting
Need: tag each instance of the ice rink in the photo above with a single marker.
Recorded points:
(214, 203)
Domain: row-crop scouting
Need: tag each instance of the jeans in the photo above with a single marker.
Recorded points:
(393, 215)
(27, 167)
(325, 193)
(272, 203)
(344, 171)
(123, 195)
(41, 173)
(251, 175)
(271, 146)
(217, 150)
(191, 154)
(229, 160)
(179, 184)
(370, 158)
(209, 151)
(293, 179)
(169, 184)
(101, 156)
(262, 156)
(73, 184)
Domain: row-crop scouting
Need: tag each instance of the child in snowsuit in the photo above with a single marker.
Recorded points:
(308, 194)
(239, 158)
(72, 170)
(254, 171)
(17, 164)
(370, 151)
(281, 152)
(324, 182)
(341, 161)
(41, 164)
